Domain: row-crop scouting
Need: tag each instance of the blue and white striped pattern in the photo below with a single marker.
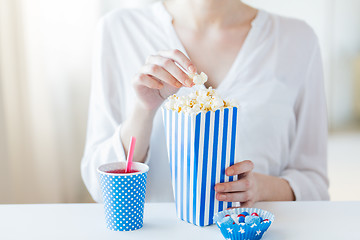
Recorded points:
(200, 148)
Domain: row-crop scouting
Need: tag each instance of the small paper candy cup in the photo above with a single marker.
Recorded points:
(123, 195)
(243, 231)
(200, 147)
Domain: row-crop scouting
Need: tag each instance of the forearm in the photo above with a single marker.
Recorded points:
(273, 188)
(139, 125)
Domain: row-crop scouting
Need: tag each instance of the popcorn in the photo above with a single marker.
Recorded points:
(200, 100)
(199, 79)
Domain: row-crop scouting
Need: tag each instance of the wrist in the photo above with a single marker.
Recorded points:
(261, 189)
(140, 117)
(138, 124)
(272, 188)
(142, 113)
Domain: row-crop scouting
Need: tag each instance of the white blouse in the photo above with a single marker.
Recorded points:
(277, 78)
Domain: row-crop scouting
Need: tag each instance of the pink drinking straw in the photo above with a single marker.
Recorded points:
(130, 154)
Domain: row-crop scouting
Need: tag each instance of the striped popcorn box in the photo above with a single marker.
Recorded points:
(200, 147)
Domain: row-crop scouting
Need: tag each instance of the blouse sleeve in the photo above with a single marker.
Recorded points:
(103, 143)
(307, 168)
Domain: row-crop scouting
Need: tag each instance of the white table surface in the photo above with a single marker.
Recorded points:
(293, 220)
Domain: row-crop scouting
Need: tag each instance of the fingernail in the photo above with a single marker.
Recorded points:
(222, 197)
(178, 84)
(219, 188)
(191, 68)
(189, 83)
(230, 172)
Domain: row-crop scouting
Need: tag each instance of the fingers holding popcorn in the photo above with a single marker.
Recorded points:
(161, 74)
(169, 65)
(180, 58)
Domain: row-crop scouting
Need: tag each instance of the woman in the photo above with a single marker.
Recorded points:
(270, 64)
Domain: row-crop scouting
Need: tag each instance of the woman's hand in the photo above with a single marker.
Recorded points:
(252, 187)
(160, 77)
(244, 190)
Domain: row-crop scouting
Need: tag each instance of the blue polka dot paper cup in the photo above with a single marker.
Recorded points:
(123, 195)
(243, 228)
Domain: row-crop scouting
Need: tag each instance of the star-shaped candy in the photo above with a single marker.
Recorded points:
(258, 232)
(242, 230)
(229, 230)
